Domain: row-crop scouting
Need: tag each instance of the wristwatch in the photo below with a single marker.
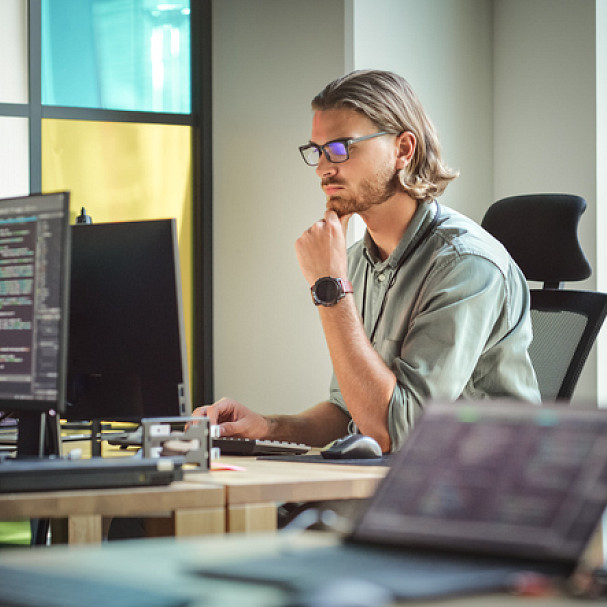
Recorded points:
(327, 291)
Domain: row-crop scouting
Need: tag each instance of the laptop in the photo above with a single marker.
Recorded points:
(18, 475)
(479, 493)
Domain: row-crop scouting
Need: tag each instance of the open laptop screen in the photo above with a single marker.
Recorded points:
(506, 479)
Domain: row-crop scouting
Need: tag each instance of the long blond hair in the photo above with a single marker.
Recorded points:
(388, 100)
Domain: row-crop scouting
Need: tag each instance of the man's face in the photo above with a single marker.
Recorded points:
(369, 177)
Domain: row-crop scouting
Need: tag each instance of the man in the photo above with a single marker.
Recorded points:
(426, 306)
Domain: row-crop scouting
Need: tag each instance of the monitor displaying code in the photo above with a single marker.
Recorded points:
(32, 263)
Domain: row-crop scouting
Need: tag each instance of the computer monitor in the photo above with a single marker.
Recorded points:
(127, 351)
(34, 290)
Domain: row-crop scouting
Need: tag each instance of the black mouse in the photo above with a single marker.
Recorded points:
(353, 446)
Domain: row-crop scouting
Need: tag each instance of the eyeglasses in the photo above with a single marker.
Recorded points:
(337, 150)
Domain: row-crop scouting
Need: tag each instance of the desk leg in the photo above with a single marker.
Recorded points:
(77, 529)
(58, 531)
(249, 518)
(205, 521)
(84, 529)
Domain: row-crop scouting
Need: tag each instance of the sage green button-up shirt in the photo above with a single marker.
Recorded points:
(448, 312)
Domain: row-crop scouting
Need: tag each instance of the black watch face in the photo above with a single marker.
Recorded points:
(327, 290)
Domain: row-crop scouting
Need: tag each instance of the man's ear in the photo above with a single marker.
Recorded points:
(406, 143)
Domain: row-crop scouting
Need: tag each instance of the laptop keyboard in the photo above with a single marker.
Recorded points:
(35, 589)
(406, 574)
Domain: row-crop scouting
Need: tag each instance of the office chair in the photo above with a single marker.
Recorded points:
(540, 233)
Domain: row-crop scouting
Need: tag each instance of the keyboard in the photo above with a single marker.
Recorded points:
(38, 589)
(248, 446)
(227, 445)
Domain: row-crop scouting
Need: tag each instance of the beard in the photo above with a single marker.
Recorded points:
(371, 192)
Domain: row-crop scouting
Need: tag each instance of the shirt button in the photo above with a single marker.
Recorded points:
(381, 277)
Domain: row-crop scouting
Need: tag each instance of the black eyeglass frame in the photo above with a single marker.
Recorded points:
(322, 149)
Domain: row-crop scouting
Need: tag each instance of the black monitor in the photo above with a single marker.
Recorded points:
(127, 352)
(34, 281)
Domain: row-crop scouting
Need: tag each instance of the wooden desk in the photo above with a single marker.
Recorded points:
(193, 507)
(169, 565)
(252, 495)
(204, 502)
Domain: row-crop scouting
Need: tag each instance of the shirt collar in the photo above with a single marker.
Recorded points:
(421, 219)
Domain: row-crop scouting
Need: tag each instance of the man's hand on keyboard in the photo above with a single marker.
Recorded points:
(234, 419)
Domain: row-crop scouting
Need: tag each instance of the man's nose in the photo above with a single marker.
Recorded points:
(325, 168)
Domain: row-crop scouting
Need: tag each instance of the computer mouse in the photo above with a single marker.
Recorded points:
(353, 446)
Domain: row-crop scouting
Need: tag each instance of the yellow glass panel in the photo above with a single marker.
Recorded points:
(126, 172)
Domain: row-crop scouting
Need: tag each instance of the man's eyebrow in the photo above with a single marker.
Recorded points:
(330, 141)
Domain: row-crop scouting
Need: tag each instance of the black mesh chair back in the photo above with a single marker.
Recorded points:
(540, 232)
(565, 326)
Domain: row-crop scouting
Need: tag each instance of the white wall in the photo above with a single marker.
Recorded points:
(14, 134)
(14, 156)
(510, 85)
(444, 49)
(545, 114)
(270, 57)
(13, 51)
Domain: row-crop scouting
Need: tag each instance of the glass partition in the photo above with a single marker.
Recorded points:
(117, 54)
(122, 172)
(14, 157)
(13, 51)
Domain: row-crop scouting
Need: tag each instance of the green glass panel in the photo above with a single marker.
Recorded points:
(117, 54)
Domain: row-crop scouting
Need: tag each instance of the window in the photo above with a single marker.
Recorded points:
(117, 54)
(104, 98)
